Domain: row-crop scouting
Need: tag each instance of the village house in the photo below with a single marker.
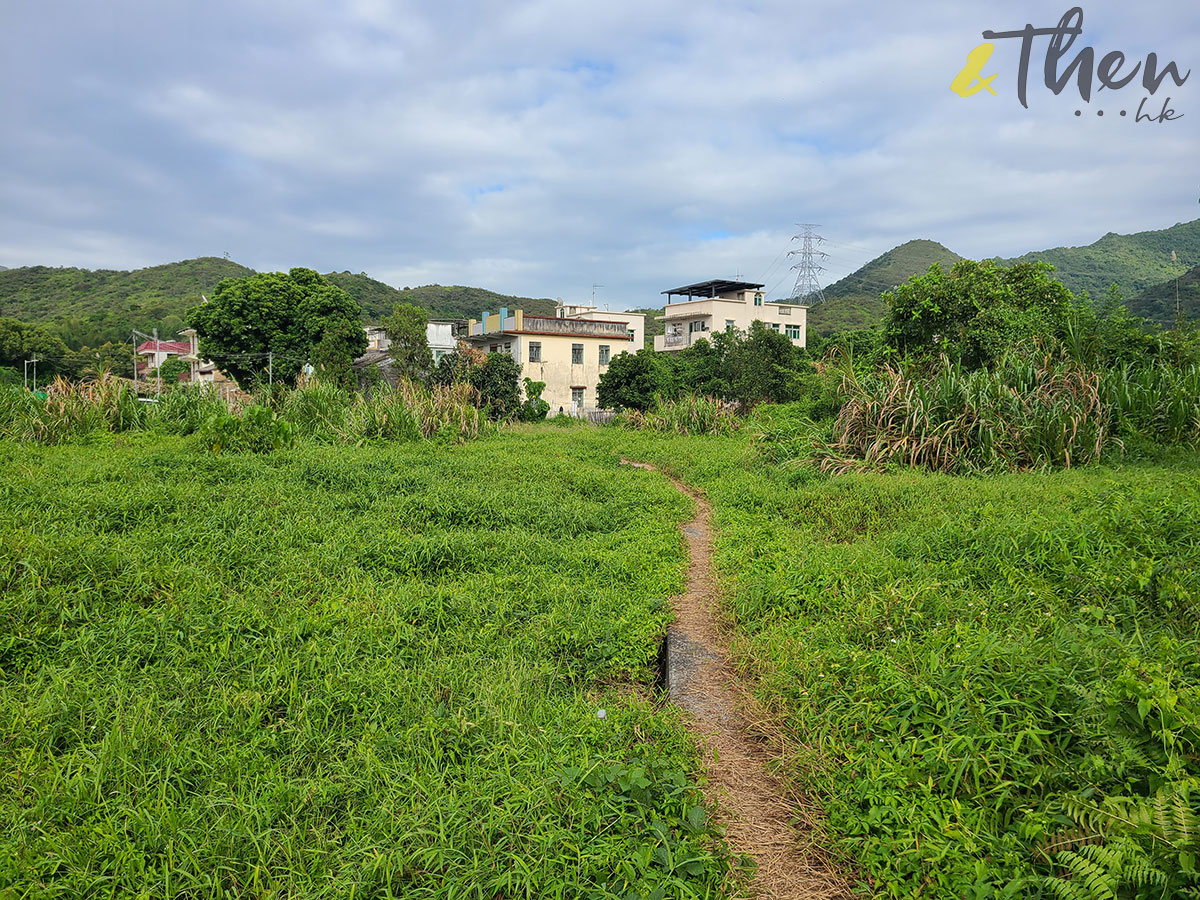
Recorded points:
(152, 354)
(441, 334)
(720, 305)
(569, 351)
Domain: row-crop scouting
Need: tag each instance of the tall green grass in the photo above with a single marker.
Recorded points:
(340, 672)
(1022, 413)
(993, 684)
(690, 414)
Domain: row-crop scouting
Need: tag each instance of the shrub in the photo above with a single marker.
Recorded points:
(257, 430)
(687, 415)
(1022, 414)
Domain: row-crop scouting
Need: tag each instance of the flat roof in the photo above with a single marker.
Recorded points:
(712, 288)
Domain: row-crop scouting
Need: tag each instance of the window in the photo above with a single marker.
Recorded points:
(758, 299)
(783, 310)
(535, 351)
(729, 325)
(604, 354)
(508, 347)
(577, 397)
(792, 331)
(774, 326)
(632, 334)
(576, 353)
(493, 348)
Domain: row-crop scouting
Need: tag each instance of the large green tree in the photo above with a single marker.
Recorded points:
(285, 315)
(406, 328)
(633, 380)
(977, 311)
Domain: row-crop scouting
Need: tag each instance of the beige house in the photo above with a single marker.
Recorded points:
(719, 305)
(203, 370)
(568, 351)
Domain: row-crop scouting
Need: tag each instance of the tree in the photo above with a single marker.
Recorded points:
(406, 329)
(975, 312)
(333, 354)
(534, 409)
(762, 367)
(633, 380)
(493, 375)
(284, 315)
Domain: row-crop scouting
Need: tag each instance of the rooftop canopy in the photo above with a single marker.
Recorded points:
(711, 289)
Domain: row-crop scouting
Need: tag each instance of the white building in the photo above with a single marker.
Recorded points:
(440, 334)
(720, 305)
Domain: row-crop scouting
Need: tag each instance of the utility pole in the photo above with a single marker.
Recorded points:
(808, 287)
(270, 369)
(158, 368)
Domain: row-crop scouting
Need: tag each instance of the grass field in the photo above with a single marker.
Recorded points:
(378, 669)
(333, 672)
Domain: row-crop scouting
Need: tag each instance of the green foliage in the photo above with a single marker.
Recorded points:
(450, 302)
(982, 678)
(342, 672)
(1179, 292)
(853, 302)
(92, 308)
(976, 312)
(1135, 262)
(534, 409)
(634, 380)
(257, 430)
(1019, 414)
(333, 355)
(494, 377)
(170, 371)
(690, 414)
(406, 329)
(289, 316)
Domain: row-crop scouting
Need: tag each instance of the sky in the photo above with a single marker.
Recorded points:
(565, 149)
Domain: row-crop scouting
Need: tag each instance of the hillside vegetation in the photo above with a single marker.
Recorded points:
(853, 302)
(1158, 303)
(1134, 262)
(91, 307)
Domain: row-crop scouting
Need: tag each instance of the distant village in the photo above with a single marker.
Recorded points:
(568, 351)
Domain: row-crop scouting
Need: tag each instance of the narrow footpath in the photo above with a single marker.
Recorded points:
(763, 816)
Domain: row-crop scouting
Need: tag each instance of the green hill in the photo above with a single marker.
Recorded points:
(1134, 262)
(92, 307)
(1158, 303)
(458, 302)
(89, 308)
(853, 302)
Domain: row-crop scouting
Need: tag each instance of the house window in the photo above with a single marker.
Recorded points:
(774, 326)
(508, 347)
(632, 334)
(729, 325)
(535, 351)
(577, 397)
(758, 299)
(493, 348)
(792, 331)
(576, 353)
(604, 354)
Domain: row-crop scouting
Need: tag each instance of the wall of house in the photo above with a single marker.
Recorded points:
(716, 313)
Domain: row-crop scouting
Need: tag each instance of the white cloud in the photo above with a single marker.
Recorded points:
(539, 147)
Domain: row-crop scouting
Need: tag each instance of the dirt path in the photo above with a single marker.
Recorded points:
(758, 809)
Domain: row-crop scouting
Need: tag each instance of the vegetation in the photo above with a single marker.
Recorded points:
(492, 376)
(250, 321)
(91, 308)
(1160, 302)
(740, 368)
(1134, 262)
(332, 672)
(407, 329)
(440, 301)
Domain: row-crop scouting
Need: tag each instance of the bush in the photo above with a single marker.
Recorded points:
(687, 415)
(257, 430)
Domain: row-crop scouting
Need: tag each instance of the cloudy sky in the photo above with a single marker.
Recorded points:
(539, 148)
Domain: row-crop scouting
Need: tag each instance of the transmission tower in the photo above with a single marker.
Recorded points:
(808, 288)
